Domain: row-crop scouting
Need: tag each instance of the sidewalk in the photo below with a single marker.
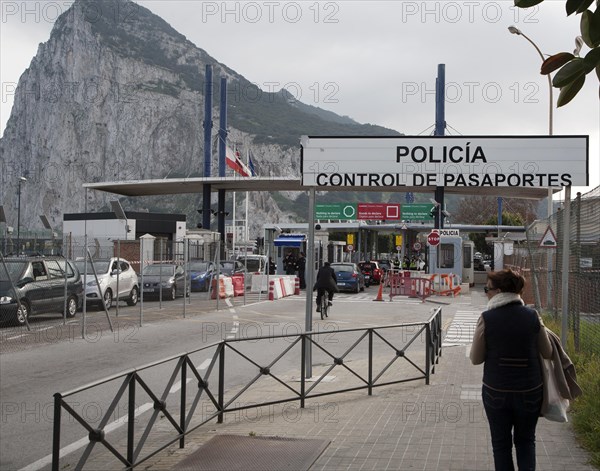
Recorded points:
(441, 426)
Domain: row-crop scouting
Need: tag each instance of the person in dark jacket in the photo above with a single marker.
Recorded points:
(326, 280)
(508, 339)
(289, 263)
(272, 267)
(301, 268)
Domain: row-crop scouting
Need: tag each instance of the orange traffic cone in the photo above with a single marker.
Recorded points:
(380, 293)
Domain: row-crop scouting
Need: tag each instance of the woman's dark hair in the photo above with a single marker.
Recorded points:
(507, 281)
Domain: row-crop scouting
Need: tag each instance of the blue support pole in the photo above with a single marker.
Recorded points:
(440, 127)
(222, 145)
(207, 145)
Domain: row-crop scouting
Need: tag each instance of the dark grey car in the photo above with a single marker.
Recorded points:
(42, 284)
(167, 278)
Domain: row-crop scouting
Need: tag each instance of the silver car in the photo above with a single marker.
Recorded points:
(111, 273)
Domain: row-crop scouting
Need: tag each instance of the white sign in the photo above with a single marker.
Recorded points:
(449, 232)
(454, 161)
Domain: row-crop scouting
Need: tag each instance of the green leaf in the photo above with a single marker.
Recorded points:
(573, 5)
(568, 73)
(584, 6)
(555, 62)
(591, 60)
(527, 3)
(590, 29)
(568, 93)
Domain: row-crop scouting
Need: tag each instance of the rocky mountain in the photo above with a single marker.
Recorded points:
(117, 94)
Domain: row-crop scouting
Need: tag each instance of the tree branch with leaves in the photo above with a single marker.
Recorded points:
(573, 68)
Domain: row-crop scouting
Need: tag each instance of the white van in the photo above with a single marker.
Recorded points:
(255, 264)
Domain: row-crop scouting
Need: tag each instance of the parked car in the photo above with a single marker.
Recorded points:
(373, 269)
(110, 272)
(349, 277)
(235, 267)
(230, 267)
(201, 273)
(254, 263)
(168, 278)
(385, 265)
(40, 287)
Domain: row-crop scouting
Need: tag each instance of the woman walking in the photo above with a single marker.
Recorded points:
(508, 339)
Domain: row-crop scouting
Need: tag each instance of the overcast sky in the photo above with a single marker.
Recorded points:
(375, 61)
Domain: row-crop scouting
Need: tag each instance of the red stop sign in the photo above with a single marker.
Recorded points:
(433, 238)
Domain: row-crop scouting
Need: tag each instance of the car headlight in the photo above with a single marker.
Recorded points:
(6, 300)
(168, 282)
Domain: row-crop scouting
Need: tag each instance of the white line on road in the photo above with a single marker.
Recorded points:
(46, 460)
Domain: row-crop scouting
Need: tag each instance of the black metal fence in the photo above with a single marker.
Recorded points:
(371, 357)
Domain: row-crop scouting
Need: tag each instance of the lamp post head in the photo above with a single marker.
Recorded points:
(22, 179)
(514, 30)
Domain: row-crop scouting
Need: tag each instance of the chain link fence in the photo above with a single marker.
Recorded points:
(540, 260)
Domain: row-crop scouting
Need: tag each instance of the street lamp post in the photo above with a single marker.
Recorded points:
(21, 180)
(517, 31)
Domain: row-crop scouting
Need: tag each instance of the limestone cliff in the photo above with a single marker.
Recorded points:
(117, 94)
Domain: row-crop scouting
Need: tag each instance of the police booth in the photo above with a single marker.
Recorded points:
(447, 256)
(286, 243)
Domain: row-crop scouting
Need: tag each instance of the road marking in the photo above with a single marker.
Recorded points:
(46, 460)
(462, 328)
(39, 330)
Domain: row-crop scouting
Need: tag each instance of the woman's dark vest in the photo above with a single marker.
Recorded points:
(511, 338)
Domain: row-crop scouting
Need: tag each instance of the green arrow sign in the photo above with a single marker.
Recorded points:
(335, 211)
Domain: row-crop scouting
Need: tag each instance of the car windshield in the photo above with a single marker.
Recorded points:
(199, 266)
(252, 264)
(159, 270)
(101, 266)
(227, 267)
(343, 268)
(15, 269)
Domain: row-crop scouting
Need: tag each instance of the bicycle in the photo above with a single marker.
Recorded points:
(324, 304)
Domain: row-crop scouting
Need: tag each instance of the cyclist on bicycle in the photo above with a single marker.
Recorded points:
(326, 281)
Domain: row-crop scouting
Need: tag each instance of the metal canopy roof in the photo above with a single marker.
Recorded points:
(176, 186)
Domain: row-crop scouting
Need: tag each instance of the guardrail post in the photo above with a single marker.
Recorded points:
(302, 370)
(56, 431)
(221, 382)
(183, 399)
(131, 419)
(370, 362)
(427, 352)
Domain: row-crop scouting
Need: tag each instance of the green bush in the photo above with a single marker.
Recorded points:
(585, 410)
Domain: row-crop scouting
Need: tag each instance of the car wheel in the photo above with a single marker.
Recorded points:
(71, 306)
(133, 296)
(108, 299)
(22, 314)
(173, 293)
(357, 290)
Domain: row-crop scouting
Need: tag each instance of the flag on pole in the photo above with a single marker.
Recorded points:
(251, 164)
(232, 159)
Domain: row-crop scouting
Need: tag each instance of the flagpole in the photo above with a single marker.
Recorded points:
(234, 227)
(247, 233)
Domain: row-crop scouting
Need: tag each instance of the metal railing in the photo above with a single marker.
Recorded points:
(215, 395)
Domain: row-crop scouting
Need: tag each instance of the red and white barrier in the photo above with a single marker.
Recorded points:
(225, 288)
(281, 286)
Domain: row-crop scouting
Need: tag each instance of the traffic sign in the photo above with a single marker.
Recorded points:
(548, 240)
(349, 247)
(433, 238)
(417, 246)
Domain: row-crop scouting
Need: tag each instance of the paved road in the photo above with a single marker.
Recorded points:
(54, 358)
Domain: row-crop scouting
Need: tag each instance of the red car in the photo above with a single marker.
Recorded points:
(372, 268)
